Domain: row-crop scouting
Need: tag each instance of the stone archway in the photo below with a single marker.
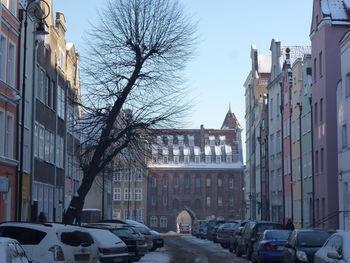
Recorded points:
(185, 216)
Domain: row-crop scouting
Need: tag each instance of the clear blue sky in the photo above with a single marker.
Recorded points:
(222, 62)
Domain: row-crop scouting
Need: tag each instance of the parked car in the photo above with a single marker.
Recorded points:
(184, 228)
(158, 241)
(225, 233)
(136, 242)
(250, 234)
(269, 247)
(11, 251)
(111, 248)
(52, 242)
(238, 231)
(203, 230)
(196, 226)
(302, 245)
(211, 226)
(215, 231)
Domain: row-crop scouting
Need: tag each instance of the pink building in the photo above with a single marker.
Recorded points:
(330, 21)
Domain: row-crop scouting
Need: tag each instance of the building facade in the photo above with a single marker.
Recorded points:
(195, 170)
(330, 21)
(343, 102)
(9, 94)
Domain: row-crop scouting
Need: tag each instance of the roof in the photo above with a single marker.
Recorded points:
(336, 9)
(295, 52)
(231, 121)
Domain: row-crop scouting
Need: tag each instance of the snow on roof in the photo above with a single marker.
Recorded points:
(180, 137)
(207, 150)
(69, 46)
(190, 137)
(165, 151)
(228, 150)
(197, 150)
(295, 52)
(336, 9)
(170, 137)
(211, 138)
(186, 150)
(222, 138)
(264, 63)
(218, 150)
(176, 150)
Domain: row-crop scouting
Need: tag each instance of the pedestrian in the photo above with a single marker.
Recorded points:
(42, 218)
(290, 225)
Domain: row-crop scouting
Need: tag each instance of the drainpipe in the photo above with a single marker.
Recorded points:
(282, 155)
(301, 166)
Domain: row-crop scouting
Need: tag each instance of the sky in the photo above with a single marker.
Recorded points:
(221, 64)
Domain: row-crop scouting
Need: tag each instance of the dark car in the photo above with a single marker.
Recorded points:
(250, 234)
(302, 245)
(196, 226)
(210, 229)
(158, 241)
(215, 231)
(136, 242)
(225, 233)
(270, 246)
(238, 231)
(203, 230)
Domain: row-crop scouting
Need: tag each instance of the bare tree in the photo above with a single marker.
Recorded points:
(133, 81)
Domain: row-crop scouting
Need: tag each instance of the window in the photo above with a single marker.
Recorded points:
(176, 181)
(9, 136)
(208, 201)
(165, 200)
(59, 151)
(138, 194)
(315, 113)
(11, 64)
(61, 98)
(321, 110)
(208, 159)
(40, 94)
(322, 160)
(314, 69)
(126, 214)
(198, 184)
(127, 194)
(2, 132)
(180, 140)
(176, 159)
(186, 159)
(219, 182)
(229, 159)
(163, 221)
(25, 236)
(117, 196)
(154, 221)
(344, 136)
(165, 181)
(232, 203)
(320, 65)
(190, 140)
(127, 175)
(219, 200)
(218, 159)
(47, 146)
(154, 200)
(230, 183)
(138, 174)
(2, 57)
(154, 182)
(347, 85)
(165, 160)
(316, 162)
(197, 159)
(208, 182)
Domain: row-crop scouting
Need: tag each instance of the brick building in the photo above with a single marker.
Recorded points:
(196, 170)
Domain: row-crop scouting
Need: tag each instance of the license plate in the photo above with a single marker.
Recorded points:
(82, 257)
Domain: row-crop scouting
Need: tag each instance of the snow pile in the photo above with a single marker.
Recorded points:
(209, 245)
(159, 256)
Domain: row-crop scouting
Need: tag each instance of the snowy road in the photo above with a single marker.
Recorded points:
(188, 249)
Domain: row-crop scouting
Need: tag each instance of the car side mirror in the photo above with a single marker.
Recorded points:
(334, 255)
(287, 245)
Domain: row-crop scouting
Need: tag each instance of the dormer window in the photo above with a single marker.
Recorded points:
(229, 159)
(222, 140)
(218, 159)
(212, 140)
(197, 159)
(180, 140)
(159, 140)
(191, 140)
(176, 159)
(170, 140)
(165, 159)
(186, 159)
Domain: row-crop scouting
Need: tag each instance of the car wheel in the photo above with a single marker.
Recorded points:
(249, 253)
(238, 252)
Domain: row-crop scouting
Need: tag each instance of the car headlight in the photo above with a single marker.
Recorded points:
(301, 255)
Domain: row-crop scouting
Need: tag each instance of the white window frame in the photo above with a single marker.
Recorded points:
(9, 135)
(229, 159)
(176, 159)
(139, 175)
(2, 132)
(127, 194)
(208, 158)
(153, 221)
(118, 177)
(163, 222)
(3, 57)
(117, 194)
(186, 159)
(138, 194)
(11, 63)
(197, 159)
(218, 159)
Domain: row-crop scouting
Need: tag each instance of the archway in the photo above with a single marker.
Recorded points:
(186, 217)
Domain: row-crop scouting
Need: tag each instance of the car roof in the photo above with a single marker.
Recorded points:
(42, 226)
(7, 240)
(106, 225)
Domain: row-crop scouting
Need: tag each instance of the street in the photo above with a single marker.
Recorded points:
(188, 249)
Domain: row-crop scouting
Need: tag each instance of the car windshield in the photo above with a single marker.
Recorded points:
(142, 230)
(277, 235)
(313, 238)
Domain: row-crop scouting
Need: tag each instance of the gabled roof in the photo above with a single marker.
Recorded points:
(295, 52)
(264, 63)
(231, 121)
(336, 9)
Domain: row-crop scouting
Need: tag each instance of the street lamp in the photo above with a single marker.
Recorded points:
(41, 10)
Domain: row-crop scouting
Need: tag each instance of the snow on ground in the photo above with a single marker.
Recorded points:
(161, 255)
(209, 245)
